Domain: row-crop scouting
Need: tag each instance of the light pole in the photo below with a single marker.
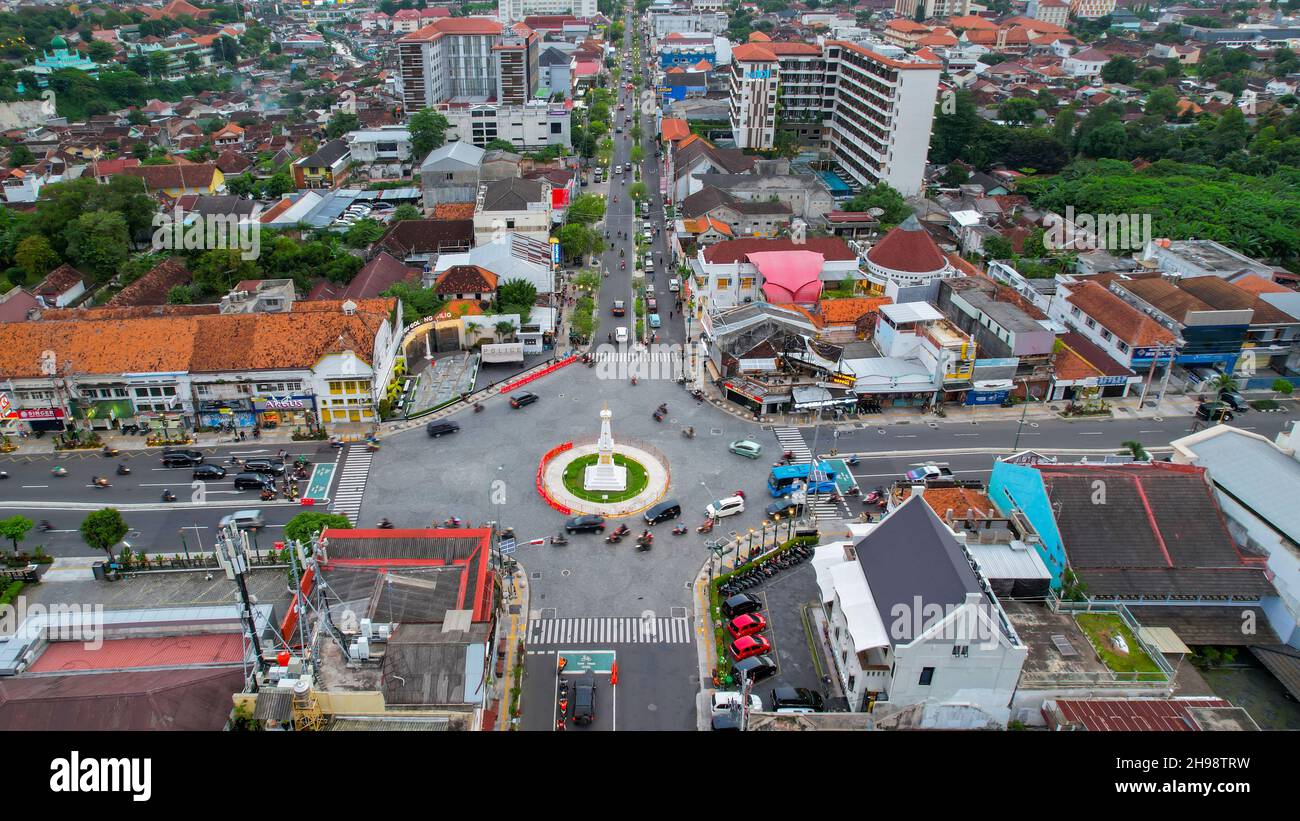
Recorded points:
(1020, 427)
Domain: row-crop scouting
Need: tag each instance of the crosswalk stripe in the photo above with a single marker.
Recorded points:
(611, 630)
(348, 495)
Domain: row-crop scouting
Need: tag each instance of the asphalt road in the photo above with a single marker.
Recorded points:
(33, 491)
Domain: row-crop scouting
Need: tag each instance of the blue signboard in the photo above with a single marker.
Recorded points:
(555, 253)
(1112, 380)
(986, 397)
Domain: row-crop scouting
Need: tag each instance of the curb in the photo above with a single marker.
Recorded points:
(142, 505)
(881, 454)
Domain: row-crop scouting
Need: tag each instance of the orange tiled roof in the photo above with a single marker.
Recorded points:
(674, 129)
(959, 500)
(753, 53)
(1070, 365)
(453, 211)
(839, 311)
(1256, 284)
(463, 307)
(1117, 316)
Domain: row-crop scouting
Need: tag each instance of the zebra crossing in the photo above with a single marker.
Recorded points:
(791, 439)
(352, 483)
(629, 630)
(638, 356)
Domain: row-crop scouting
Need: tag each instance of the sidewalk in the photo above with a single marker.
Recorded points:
(273, 438)
(517, 611)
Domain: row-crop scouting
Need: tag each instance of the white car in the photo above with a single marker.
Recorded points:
(674, 285)
(620, 334)
(722, 700)
(722, 508)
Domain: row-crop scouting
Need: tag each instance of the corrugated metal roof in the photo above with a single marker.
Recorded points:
(385, 724)
(1001, 561)
(1255, 472)
(274, 705)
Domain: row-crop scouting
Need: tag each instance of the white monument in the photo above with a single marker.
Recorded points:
(605, 475)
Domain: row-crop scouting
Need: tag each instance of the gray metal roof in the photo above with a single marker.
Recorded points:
(451, 155)
(1255, 473)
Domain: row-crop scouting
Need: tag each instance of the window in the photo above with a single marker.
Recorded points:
(1090, 322)
(201, 390)
(1122, 346)
(852, 679)
(1106, 335)
(961, 650)
(1074, 311)
(927, 676)
(724, 282)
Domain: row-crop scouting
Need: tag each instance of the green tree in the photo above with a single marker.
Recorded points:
(100, 52)
(1162, 102)
(21, 155)
(406, 211)
(305, 526)
(364, 233)
(15, 529)
(217, 270)
(586, 209)
(428, 131)
(516, 296)
(505, 329)
(956, 123)
(35, 256)
(637, 191)
(1109, 140)
(98, 242)
(103, 529)
(417, 302)
(884, 197)
(499, 145)
(192, 61)
(997, 247)
(1119, 69)
(340, 124)
(1018, 110)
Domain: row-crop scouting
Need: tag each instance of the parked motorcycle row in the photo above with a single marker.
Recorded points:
(765, 570)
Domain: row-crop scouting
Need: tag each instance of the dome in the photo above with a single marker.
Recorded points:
(908, 249)
(59, 42)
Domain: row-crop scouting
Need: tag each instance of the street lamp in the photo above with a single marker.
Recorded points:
(1020, 427)
(749, 553)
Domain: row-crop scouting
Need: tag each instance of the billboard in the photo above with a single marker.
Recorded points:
(559, 198)
(503, 352)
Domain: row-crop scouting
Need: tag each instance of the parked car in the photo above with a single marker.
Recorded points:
(584, 703)
(746, 447)
(755, 668)
(674, 285)
(721, 701)
(797, 697)
(209, 472)
(1214, 411)
(724, 722)
(747, 625)
(181, 459)
(620, 334)
(1234, 400)
(436, 429)
(740, 604)
(273, 467)
(244, 520)
(524, 398)
(654, 320)
(585, 524)
(722, 508)
(783, 507)
(927, 472)
(652, 305)
(253, 481)
(746, 646)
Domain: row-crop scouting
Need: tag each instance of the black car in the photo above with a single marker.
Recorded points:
(784, 508)
(1214, 412)
(1234, 400)
(209, 472)
(521, 399)
(181, 458)
(253, 481)
(584, 703)
(436, 429)
(740, 604)
(663, 511)
(274, 467)
(756, 668)
(585, 524)
(797, 697)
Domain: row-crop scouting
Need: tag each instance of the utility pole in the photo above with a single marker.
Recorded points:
(232, 553)
(1015, 447)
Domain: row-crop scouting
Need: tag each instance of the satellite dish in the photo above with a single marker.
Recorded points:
(876, 212)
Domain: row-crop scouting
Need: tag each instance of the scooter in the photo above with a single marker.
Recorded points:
(478, 408)
(559, 538)
(680, 530)
(59, 471)
(45, 526)
(110, 452)
(99, 481)
(663, 408)
(852, 461)
(614, 538)
(658, 415)
(268, 495)
(168, 496)
(707, 527)
(642, 545)
(689, 433)
(384, 524)
(123, 470)
(452, 522)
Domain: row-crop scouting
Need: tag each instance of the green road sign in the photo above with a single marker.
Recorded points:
(587, 661)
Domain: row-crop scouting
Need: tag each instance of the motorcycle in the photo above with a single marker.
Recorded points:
(168, 496)
(478, 408)
(384, 524)
(300, 473)
(658, 415)
(634, 380)
(452, 522)
(59, 471)
(268, 495)
(621, 253)
(4, 474)
(622, 265)
(698, 394)
(680, 530)
(614, 538)
(123, 470)
(706, 527)
(109, 451)
(689, 433)
(663, 408)
(559, 538)
(852, 461)
(643, 545)
(99, 481)
(507, 533)
(45, 526)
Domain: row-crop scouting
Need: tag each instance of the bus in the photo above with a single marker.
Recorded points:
(785, 479)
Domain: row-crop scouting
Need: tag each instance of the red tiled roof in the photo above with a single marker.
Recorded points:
(908, 249)
(1256, 284)
(753, 53)
(1127, 715)
(1117, 316)
(124, 654)
(453, 25)
(736, 250)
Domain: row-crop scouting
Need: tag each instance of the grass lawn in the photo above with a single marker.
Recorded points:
(1099, 628)
(574, 473)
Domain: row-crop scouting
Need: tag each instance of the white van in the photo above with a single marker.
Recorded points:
(620, 334)
(674, 285)
(722, 700)
(649, 264)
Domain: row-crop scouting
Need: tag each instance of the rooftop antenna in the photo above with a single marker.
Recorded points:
(232, 555)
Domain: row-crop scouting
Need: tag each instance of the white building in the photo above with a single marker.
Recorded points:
(1056, 12)
(1086, 63)
(511, 11)
(515, 206)
(532, 126)
(913, 621)
(1091, 9)
(727, 274)
(509, 256)
(1124, 333)
(906, 9)
(452, 58)
(381, 153)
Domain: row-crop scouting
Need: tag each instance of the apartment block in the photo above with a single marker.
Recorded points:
(1091, 9)
(510, 11)
(516, 57)
(453, 58)
(932, 8)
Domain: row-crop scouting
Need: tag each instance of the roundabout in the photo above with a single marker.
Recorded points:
(600, 477)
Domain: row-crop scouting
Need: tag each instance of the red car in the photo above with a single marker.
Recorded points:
(743, 648)
(746, 625)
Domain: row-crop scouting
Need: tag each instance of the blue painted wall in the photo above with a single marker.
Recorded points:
(1021, 487)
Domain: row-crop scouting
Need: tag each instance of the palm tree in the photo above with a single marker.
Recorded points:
(1139, 452)
(504, 329)
(1223, 382)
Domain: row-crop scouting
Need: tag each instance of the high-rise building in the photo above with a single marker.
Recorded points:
(872, 113)
(511, 11)
(453, 58)
(1091, 9)
(933, 8)
(517, 72)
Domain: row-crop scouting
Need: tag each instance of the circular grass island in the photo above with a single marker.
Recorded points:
(575, 472)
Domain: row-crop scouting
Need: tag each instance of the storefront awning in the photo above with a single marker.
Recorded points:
(108, 409)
